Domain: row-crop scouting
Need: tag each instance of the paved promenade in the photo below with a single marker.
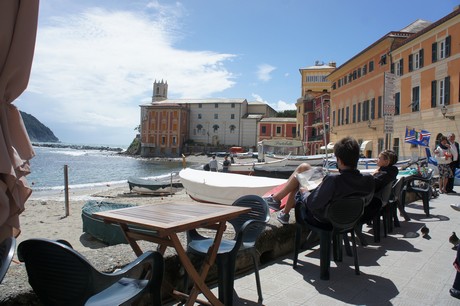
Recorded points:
(403, 269)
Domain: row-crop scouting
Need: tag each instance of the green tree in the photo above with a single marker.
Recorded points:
(291, 113)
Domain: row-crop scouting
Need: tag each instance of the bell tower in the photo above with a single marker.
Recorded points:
(160, 91)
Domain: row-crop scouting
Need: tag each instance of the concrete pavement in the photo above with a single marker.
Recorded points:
(403, 269)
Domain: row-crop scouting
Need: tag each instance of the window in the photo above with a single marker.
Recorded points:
(397, 103)
(373, 108)
(233, 105)
(216, 116)
(440, 49)
(200, 105)
(440, 92)
(216, 105)
(163, 140)
(379, 107)
(278, 130)
(371, 66)
(199, 116)
(415, 99)
(383, 60)
(416, 60)
(215, 127)
(174, 140)
(354, 113)
(400, 67)
(366, 110)
(264, 130)
(338, 117)
(232, 116)
(365, 69)
(293, 131)
(232, 128)
(347, 116)
(359, 112)
(199, 127)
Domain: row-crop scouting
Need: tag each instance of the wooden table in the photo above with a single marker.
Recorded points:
(162, 223)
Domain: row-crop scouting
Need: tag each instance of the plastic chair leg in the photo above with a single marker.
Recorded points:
(355, 253)
(376, 228)
(256, 272)
(298, 234)
(325, 254)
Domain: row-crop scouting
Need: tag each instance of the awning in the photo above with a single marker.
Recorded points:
(366, 146)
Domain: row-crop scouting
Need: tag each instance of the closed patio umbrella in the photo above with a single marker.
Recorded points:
(18, 29)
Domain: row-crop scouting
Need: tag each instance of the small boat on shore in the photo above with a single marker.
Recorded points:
(248, 168)
(224, 188)
(153, 186)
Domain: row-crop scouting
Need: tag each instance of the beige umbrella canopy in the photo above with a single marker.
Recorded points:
(18, 29)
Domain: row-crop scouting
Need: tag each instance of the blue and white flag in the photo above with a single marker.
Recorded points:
(417, 136)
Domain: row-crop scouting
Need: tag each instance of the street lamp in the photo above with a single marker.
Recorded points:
(444, 112)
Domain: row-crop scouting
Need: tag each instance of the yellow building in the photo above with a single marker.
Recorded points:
(314, 83)
(408, 78)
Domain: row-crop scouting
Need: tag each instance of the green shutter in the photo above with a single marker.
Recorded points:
(433, 93)
(402, 67)
(434, 52)
(421, 58)
(411, 59)
(447, 90)
(392, 68)
(448, 46)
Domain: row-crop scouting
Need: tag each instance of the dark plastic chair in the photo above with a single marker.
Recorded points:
(395, 204)
(6, 255)
(421, 186)
(383, 195)
(61, 276)
(343, 215)
(248, 228)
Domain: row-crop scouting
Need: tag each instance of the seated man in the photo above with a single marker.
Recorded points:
(348, 182)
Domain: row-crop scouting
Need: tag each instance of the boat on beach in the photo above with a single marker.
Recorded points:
(154, 186)
(224, 188)
(248, 168)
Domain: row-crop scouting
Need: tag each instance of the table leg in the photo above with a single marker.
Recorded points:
(199, 279)
(132, 242)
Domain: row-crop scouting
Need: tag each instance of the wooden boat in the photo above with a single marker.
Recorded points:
(154, 186)
(108, 233)
(224, 188)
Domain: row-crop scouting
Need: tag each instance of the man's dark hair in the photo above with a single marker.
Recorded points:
(347, 149)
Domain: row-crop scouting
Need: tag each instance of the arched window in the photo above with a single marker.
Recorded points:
(215, 127)
(199, 127)
(232, 128)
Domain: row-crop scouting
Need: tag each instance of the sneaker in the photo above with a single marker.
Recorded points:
(455, 293)
(283, 218)
(272, 203)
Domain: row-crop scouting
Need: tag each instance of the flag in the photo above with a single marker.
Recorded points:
(417, 136)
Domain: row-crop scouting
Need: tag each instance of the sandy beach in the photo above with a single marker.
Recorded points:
(45, 212)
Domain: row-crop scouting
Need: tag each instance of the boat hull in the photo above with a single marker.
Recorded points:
(224, 188)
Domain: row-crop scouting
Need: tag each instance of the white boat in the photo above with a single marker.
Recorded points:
(224, 188)
(248, 168)
(295, 160)
(369, 163)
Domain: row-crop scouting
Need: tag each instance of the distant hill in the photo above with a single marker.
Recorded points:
(37, 131)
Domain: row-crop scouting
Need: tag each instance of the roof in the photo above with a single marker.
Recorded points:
(432, 26)
(196, 101)
(279, 119)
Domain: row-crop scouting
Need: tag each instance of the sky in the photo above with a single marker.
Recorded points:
(96, 60)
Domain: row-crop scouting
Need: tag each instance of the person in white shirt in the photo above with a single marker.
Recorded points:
(454, 149)
(444, 157)
(213, 164)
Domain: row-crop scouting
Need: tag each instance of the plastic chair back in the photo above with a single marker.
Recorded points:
(384, 194)
(344, 213)
(6, 255)
(396, 190)
(259, 212)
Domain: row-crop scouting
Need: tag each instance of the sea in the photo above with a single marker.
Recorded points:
(92, 168)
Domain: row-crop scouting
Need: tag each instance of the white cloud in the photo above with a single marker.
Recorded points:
(282, 105)
(94, 69)
(263, 72)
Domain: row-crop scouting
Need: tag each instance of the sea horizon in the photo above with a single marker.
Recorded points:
(94, 167)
